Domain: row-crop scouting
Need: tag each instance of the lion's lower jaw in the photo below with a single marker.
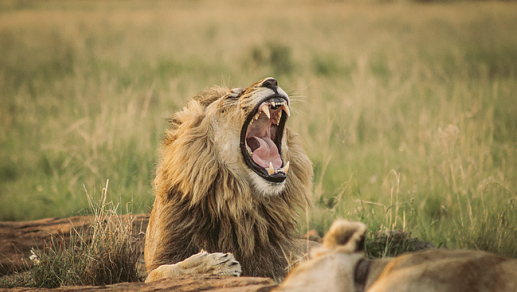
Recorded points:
(264, 187)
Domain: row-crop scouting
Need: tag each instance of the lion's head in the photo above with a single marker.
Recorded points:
(247, 133)
(231, 177)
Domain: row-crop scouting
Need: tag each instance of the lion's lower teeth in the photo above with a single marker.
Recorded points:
(271, 170)
(286, 167)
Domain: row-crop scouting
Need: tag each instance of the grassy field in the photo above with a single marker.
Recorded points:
(408, 111)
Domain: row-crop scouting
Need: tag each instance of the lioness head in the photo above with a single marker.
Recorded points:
(335, 266)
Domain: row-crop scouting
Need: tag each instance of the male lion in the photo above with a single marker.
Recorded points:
(230, 179)
(340, 265)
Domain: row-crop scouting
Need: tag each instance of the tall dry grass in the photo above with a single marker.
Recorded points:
(104, 253)
(408, 111)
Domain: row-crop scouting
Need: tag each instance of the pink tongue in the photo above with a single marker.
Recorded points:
(266, 153)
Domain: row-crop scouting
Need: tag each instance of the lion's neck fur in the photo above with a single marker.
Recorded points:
(256, 238)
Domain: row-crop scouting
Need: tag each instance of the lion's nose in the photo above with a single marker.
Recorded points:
(269, 83)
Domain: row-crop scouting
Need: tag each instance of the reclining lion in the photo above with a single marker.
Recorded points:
(229, 183)
(340, 265)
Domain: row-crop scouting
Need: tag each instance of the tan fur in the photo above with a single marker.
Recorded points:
(337, 267)
(208, 199)
(201, 263)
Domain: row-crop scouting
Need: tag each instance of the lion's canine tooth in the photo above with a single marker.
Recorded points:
(271, 169)
(286, 167)
(265, 109)
(286, 109)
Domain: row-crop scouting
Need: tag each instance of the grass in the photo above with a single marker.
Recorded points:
(407, 110)
(106, 252)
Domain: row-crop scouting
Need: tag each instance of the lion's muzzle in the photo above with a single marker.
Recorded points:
(262, 132)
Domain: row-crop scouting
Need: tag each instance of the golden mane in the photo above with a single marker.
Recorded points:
(204, 204)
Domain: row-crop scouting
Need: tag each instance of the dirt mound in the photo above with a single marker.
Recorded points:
(180, 284)
(18, 238)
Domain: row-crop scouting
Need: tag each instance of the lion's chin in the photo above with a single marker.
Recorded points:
(264, 187)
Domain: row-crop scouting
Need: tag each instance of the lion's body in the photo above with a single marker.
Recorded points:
(208, 199)
(341, 266)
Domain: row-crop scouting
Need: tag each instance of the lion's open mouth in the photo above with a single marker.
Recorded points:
(261, 138)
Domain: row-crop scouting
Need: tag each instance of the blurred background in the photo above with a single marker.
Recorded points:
(408, 109)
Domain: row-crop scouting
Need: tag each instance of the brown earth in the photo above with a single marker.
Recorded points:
(18, 238)
(180, 284)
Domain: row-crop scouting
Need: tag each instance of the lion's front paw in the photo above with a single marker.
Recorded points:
(211, 263)
(223, 264)
(202, 263)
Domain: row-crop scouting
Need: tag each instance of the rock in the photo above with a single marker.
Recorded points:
(395, 242)
(313, 235)
(400, 236)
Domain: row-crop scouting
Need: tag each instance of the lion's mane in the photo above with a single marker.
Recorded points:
(202, 204)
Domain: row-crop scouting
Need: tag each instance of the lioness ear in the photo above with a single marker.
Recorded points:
(346, 236)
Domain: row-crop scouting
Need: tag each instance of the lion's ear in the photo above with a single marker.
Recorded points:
(188, 117)
(345, 235)
(208, 96)
(235, 92)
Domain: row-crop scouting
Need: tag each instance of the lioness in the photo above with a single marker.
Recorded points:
(340, 265)
(228, 185)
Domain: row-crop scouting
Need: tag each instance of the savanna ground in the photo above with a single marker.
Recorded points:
(408, 110)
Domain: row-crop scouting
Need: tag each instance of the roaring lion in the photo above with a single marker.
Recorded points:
(340, 265)
(229, 183)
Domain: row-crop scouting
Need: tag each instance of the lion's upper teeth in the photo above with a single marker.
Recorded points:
(286, 109)
(265, 109)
